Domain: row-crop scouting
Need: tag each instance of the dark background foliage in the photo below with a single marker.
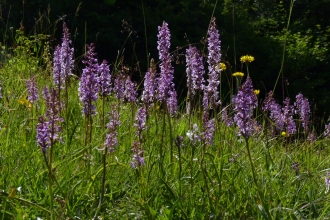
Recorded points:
(120, 29)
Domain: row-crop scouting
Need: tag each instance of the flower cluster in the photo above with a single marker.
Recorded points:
(63, 62)
(303, 110)
(247, 59)
(195, 69)
(140, 122)
(172, 103)
(138, 157)
(104, 79)
(88, 85)
(214, 56)
(244, 103)
(130, 93)
(111, 138)
(48, 127)
(43, 134)
(282, 117)
(274, 109)
(119, 86)
(208, 129)
(166, 70)
(148, 95)
(226, 118)
(124, 88)
(166, 91)
(288, 111)
(32, 88)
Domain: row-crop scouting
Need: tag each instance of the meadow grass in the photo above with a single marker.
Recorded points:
(235, 177)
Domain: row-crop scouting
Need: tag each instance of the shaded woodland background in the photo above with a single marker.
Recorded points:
(125, 32)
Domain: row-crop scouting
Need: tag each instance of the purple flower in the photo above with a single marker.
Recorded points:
(166, 69)
(303, 109)
(119, 86)
(48, 127)
(130, 93)
(275, 111)
(208, 128)
(43, 134)
(32, 88)
(63, 62)
(104, 79)
(124, 88)
(149, 91)
(205, 101)
(214, 49)
(288, 111)
(111, 138)
(53, 105)
(214, 57)
(244, 103)
(140, 121)
(283, 117)
(88, 85)
(195, 69)
(137, 159)
(226, 119)
(172, 103)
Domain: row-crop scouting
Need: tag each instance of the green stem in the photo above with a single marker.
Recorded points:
(67, 115)
(284, 48)
(50, 180)
(171, 136)
(145, 32)
(255, 180)
(104, 158)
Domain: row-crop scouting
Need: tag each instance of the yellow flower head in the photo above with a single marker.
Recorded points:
(23, 101)
(247, 59)
(238, 74)
(222, 66)
(257, 91)
(284, 134)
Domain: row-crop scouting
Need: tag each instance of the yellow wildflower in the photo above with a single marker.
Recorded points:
(238, 74)
(284, 134)
(23, 101)
(222, 66)
(247, 59)
(257, 91)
